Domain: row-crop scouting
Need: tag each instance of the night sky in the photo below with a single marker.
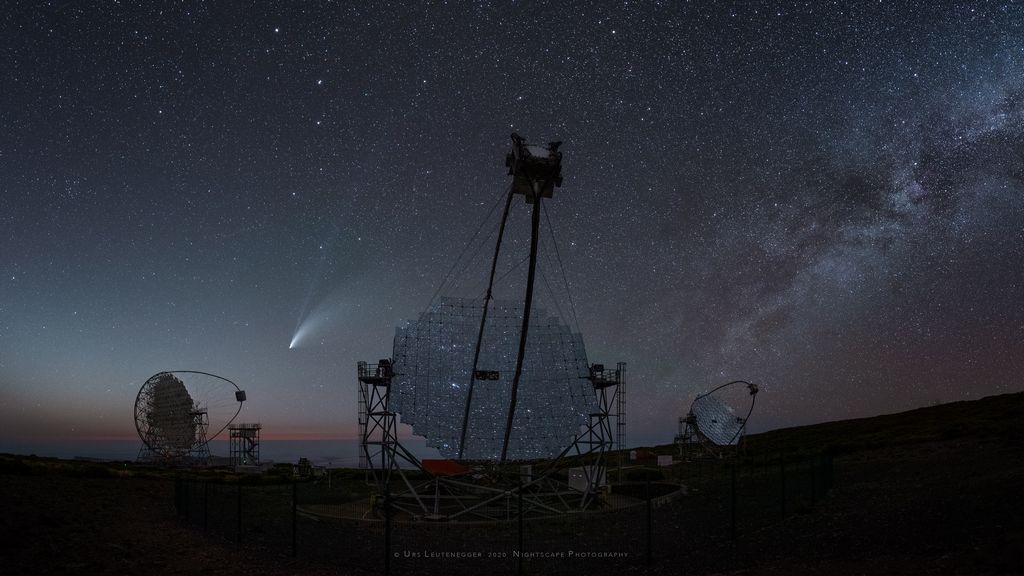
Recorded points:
(823, 198)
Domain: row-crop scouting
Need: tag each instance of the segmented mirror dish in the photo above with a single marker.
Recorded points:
(433, 364)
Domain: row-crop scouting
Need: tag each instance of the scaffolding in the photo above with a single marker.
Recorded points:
(620, 411)
(475, 489)
(244, 444)
(379, 448)
(155, 448)
(361, 431)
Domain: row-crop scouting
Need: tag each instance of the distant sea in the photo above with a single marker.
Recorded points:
(334, 453)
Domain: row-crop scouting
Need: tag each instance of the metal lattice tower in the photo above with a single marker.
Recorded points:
(620, 416)
(244, 444)
(361, 432)
(379, 443)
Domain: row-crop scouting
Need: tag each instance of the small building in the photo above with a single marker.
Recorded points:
(641, 454)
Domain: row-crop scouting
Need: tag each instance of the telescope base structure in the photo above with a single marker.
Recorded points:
(155, 450)
(467, 490)
(711, 427)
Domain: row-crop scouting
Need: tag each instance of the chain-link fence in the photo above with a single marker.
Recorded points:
(660, 515)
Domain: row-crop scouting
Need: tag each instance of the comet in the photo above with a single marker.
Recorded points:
(311, 324)
(315, 323)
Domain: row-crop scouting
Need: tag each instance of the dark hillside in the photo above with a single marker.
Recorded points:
(929, 491)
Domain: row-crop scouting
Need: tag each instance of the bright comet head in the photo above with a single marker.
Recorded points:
(312, 324)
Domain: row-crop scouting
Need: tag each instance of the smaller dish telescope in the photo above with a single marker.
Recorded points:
(178, 413)
(717, 418)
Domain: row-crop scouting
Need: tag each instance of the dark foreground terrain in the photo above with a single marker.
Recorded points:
(933, 491)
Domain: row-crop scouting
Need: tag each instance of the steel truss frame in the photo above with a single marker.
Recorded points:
(244, 448)
(197, 454)
(485, 493)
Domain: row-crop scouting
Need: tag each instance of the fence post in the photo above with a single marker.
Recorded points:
(782, 482)
(238, 527)
(519, 564)
(387, 528)
(295, 494)
(188, 496)
(814, 481)
(206, 505)
(650, 555)
(829, 471)
(732, 529)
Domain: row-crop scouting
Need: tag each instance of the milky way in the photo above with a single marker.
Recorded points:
(822, 198)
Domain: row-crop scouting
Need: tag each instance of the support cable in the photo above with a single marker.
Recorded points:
(459, 278)
(508, 272)
(565, 279)
(469, 243)
(551, 293)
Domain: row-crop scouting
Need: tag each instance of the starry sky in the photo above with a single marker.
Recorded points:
(823, 198)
